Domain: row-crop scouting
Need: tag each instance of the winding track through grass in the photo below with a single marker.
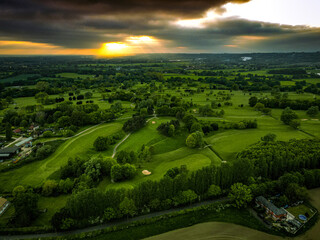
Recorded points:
(128, 135)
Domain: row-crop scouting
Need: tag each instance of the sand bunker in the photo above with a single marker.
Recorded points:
(315, 119)
(304, 119)
(146, 172)
(153, 122)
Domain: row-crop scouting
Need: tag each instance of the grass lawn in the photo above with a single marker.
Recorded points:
(35, 173)
(74, 75)
(300, 210)
(287, 83)
(53, 205)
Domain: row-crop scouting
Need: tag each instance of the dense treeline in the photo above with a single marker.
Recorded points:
(293, 104)
(273, 159)
(288, 71)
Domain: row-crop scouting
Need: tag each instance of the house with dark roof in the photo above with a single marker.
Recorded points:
(275, 212)
(9, 152)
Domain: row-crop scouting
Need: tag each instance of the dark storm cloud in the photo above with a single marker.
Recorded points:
(43, 33)
(194, 8)
(88, 23)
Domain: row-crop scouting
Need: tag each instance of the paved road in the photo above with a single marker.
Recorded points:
(103, 226)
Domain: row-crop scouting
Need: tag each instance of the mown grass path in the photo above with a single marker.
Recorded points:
(126, 137)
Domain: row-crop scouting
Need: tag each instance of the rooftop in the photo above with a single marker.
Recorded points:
(9, 150)
(271, 206)
(24, 141)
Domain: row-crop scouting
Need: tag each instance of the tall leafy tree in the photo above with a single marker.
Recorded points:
(8, 132)
(26, 207)
(127, 207)
(240, 195)
(288, 115)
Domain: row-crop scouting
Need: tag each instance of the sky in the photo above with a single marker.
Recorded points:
(110, 28)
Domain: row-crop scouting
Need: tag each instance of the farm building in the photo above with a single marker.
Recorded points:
(8, 152)
(271, 209)
(4, 204)
(25, 142)
(17, 131)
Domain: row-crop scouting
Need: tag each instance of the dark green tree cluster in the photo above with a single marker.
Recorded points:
(169, 128)
(102, 143)
(126, 157)
(195, 140)
(273, 159)
(134, 123)
(207, 111)
(295, 104)
(86, 173)
(123, 172)
(25, 203)
(288, 116)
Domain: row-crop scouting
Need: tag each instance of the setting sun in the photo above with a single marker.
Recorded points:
(114, 49)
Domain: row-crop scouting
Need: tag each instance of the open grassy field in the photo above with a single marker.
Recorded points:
(74, 75)
(218, 230)
(35, 173)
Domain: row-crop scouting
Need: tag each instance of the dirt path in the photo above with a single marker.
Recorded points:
(126, 137)
(115, 148)
(12, 143)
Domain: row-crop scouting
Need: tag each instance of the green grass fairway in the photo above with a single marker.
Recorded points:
(35, 173)
(229, 143)
(168, 153)
(194, 159)
(150, 136)
(74, 75)
(287, 83)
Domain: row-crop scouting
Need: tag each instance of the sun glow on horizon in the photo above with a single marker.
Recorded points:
(113, 49)
(130, 45)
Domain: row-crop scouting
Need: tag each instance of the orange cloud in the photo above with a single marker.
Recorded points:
(231, 45)
(254, 37)
(32, 48)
